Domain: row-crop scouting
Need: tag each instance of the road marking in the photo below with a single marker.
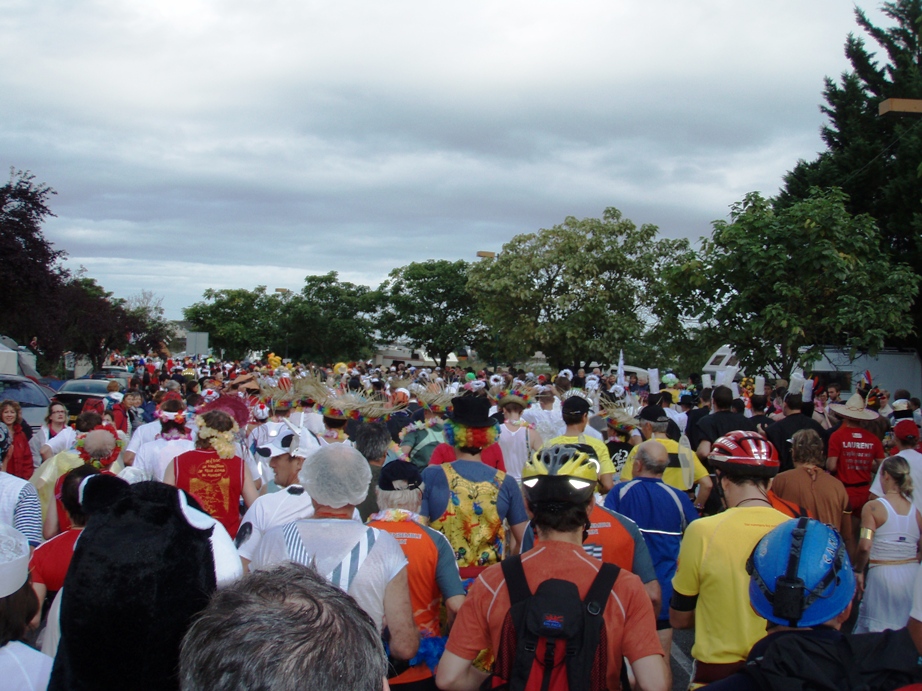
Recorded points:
(681, 658)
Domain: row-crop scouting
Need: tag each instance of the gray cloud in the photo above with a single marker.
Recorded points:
(204, 144)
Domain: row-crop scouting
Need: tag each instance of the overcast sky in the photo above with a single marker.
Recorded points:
(229, 144)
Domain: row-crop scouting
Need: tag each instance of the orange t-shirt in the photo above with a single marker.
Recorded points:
(629, 619)
(607, 540)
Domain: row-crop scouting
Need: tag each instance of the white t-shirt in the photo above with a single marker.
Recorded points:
(23, 668)
(271, 510)
(154, 456)
(142, 435)
(914, 459)
(329, 541)
(65, 440)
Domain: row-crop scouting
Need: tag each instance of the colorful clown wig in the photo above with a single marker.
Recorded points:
(463, 437)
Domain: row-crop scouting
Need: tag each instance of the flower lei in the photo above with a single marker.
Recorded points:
(221, 442)
(101, 463)
(522, 423)
(418, 426)
(174, 435)
(397, 516)
(400, 455)
(337, 435)
(179, 417)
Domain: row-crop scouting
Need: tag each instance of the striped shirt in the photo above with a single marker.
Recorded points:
(20, 508)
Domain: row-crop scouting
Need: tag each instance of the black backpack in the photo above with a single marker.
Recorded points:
(552, 640)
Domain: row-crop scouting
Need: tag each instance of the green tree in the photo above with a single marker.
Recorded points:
(238, 321)
(875, 160)
(30, 269)
(93, 323)
(329, 320)
(428, 304)
(154, 329)
(778, 283)
(579, 291)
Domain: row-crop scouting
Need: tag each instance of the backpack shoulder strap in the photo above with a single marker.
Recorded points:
(515, 579)
(599, 591)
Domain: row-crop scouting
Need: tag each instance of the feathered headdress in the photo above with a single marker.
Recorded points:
(348, 406)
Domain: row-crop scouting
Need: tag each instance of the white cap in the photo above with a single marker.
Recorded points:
(14, 560)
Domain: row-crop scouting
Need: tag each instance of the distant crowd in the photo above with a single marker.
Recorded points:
(236, 525)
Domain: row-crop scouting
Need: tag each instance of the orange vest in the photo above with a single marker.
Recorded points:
(425, 596)
(609, 537)
(215, 482)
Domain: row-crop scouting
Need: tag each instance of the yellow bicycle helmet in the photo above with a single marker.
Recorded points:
(560, 473)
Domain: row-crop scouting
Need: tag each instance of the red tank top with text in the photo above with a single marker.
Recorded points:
(215, 482)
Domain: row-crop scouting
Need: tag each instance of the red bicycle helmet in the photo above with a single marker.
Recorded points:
(744, 453)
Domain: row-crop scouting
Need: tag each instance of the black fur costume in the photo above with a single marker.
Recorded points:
(139, 574)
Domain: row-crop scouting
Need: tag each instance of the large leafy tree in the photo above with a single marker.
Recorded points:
(329, 320)
(778, 283)
(428, 305)
(238, 321)
(875, 160)
(579, 291)
(30, 270)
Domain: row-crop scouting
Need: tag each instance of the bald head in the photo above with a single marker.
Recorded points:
(651, 459)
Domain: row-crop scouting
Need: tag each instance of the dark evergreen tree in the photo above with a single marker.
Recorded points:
(30, 272)
(874, 159)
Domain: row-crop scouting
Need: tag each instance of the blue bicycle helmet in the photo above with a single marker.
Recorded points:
(800, 574)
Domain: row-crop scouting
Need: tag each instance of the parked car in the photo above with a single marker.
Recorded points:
(30, 396)
(123, 378)
(73, 394)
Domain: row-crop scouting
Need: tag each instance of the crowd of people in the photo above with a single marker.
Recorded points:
(227, 525)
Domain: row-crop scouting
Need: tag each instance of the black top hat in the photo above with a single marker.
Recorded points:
(653, 413)
(471, 411)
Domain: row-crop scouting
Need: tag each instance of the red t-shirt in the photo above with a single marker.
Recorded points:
(491, 456)
(629, 620)
(215, 482)
(50, 561)
(856, 449)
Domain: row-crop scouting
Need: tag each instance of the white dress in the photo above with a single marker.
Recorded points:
(888, 586)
